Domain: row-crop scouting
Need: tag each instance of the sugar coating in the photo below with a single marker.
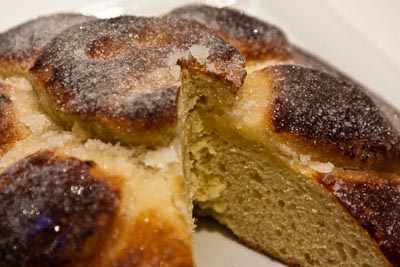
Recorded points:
(126, 68)
(163, 156)
(255, 39)
(326, 110)
(305, 160)
(26, 40)
(200, 53)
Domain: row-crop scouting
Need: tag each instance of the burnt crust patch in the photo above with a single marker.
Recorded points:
(332, 115)
(20, 46)
(54, 211)
(374, 201)
(113, 72)
(255, 39)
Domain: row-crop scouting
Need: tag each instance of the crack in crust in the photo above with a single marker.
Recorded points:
(255, 39)
(334, 119)
(54, 211)
(374, 201)
(20, 46)
(119, 78)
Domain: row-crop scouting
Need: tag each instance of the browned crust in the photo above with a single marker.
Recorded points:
(10, 129)
(121, 82)
(55, 210)
(373, 199)
(20, 46)
(332, 120)
(255, 39)
(12, 67)
(152, 241)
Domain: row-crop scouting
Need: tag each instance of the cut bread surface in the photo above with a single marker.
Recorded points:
(270, 200)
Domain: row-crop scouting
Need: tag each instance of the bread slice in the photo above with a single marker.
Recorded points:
(293, 205)
(300, 163)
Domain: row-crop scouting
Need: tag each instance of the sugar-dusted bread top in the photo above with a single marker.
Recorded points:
(255, 39)
(331, 119)
(313, 114)
(261, 44)
(53, 209)
(119, 78)
(20, 46)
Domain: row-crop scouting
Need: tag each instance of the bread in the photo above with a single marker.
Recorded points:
(125, 127)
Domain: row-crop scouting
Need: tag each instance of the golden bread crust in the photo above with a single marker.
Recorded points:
(54, 209)
(255, 39)
(373, 199)
(137, 103)
(331, 119)
(20, 46)
(153, 241)
(10, 129)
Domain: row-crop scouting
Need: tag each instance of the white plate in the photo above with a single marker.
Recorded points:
(311, 24)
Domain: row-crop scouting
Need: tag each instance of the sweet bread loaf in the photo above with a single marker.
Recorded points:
(131, 119)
